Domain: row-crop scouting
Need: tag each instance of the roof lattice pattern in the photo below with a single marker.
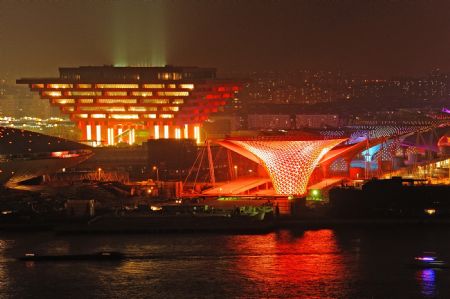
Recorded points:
(289, 163)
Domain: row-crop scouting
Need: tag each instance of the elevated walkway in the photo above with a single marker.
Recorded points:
(242, 186)
(261, 187)
(327, 183)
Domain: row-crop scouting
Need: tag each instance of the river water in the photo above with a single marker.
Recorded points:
(347, 263)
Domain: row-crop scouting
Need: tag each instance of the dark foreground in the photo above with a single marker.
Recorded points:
(340, 263)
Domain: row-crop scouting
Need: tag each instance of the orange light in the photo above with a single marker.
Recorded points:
(430, 211)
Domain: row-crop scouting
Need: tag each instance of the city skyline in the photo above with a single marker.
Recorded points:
(383, 38)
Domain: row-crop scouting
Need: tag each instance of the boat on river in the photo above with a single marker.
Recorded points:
(98, 256)
(429, 260)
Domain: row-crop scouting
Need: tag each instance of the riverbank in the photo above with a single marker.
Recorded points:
(189, 224)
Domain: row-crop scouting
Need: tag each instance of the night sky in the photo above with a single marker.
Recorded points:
(376, 37)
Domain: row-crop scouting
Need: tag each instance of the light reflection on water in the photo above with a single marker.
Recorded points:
(3, 271)
(427, 281)
(297, 264)
(286, 264)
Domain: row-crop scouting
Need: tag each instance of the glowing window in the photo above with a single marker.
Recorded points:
(155, 101)
(150, 115)
(156, 129)
(117, 85)
(84, 85)
(177, 76)
(81, 115)
(187, 86)
(142, 93)
(110, 136)
(164, 76)
(153, 85)
(170, 76)
(178, 101)
(102, 108)
(88, 108)
(64, 101)
(173, 93)
(88, 132)
(84, 93)
(114, 109)
(98, 133)
(68, 109)
(98, 115)
(141, 109)
(197, 133)
(166, 115)
(85, 101)
(171, 86)
(37, 85)
(51, 93)
(124, 116)
(186, 131)
(177, 133)
(59, 85)
(116, 101)
(166, 132)
(116, 93)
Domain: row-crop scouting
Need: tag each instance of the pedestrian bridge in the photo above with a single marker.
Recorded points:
(241, 186)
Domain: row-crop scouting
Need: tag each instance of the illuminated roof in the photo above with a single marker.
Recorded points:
(428, 139)
(116, 74)
(288, 162)
(350, 150)
(25, 155)
(19, 142)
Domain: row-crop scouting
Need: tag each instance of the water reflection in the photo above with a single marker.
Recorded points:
(309, 264)
(286, 264)
(3, 275)
(427, 281)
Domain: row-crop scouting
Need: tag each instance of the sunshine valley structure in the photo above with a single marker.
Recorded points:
(111, 104)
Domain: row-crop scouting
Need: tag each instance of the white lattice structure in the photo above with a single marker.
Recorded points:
(289, 163)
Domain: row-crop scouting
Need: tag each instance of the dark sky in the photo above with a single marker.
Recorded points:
(373, 36)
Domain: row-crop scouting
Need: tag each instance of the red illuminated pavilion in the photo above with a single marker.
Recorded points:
(289, 160)
(109, 103)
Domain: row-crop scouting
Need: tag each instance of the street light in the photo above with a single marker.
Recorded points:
(236, 171)
(157, 172)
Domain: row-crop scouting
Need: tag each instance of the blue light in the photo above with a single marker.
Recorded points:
(427, 280)
(426, 258)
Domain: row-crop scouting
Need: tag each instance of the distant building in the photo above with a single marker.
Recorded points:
(291, 121)
(110, 104)
(270, 121)
(16, 101)
(316, 120)
(220, 126)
